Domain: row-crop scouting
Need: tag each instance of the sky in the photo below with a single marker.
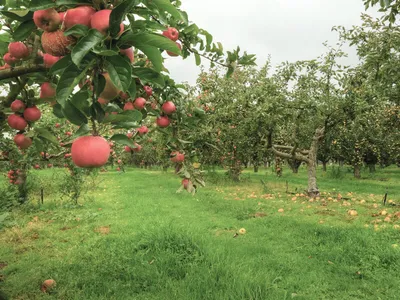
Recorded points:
(288, 30)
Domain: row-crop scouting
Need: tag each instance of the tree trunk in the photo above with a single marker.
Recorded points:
(294, 165)
(324, 163)
(357, 171)
(372, 168)
(312, 188)
(255, 168)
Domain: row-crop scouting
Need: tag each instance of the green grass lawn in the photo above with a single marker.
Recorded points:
(134, 237)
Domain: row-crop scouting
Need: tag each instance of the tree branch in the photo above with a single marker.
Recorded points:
(19, 71)
(304, 152)
(290, 156)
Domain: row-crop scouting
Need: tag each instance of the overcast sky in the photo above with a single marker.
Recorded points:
(288, 30)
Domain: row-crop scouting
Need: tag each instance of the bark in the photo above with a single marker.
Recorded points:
(309, 157)
(255, 168)
(312, 188)
(294, 165)
(19, 71)
(324, 163)
(357, 171)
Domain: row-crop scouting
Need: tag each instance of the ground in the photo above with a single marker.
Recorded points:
(134, 237)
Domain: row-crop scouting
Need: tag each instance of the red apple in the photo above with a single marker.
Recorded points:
(110, 90)
(171, 33)
(17, 122)
(18, 50)
(177, 157)
(163, 121)
(129, 135)
(168, 107)
(148, 90)
(128, 53)
(81, 15)
(140, 103)
(90, 151)
(49, 60)
(119, 161)
(102, 101)
(68, 133)
(47, 90)
(56, 43)
(57, 125)
(124, 96)
(175, 54)
(49, 165)
(22, 141)
(185, 183)
(143, 130)
(32, 114)
(8, 59)
(137, 148)
(47, 19)
(17, 105)
(62, 15)
(101, 21)
(37, 166)
(129, 106)
(127, 149)
(118, 169)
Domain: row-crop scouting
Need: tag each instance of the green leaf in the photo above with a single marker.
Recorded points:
(118, 15)
(68, 81)
(99, 84)
(198, 59)
(73, 114)
(148, 39)
(61, 65)
(105, 52)
(5, 37)
(57, 111)
(97, 112)
(18, 15)
(44, 133)
(83, 130)
(165, 5)
(126, 116)
(77, 30)
(149, 75)
(44, 4)
(24, 30)
(125, 125)
(132, 89)
(154, 55)
(123, 139)
(120, 72)
(85, 44)
(81, 100)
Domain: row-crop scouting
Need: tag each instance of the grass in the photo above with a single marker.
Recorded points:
(135, 238)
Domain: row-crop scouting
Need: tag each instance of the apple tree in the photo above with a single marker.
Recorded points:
(99, 64)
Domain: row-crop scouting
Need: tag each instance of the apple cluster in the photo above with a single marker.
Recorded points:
(19, 121)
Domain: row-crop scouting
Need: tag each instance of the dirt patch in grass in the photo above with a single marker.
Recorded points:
(103, 230)
(258, 215)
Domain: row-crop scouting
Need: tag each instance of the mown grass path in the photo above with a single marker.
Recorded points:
(135, 238)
